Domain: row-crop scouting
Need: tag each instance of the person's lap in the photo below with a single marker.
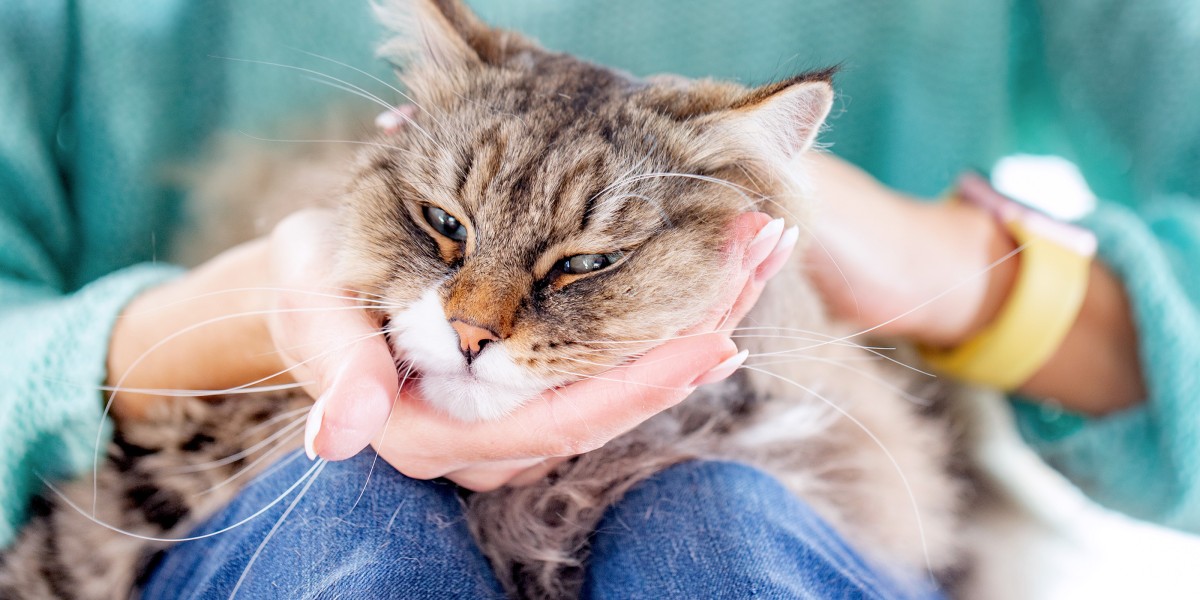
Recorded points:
(698, 529)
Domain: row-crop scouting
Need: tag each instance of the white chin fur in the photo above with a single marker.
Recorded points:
(468, 400)
(489, 389)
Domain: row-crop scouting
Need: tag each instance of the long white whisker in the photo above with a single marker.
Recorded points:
(201, 393)
(331, 79)
(233, 457)
(389, 86)
(253, 557)
(50, 485)
(112, 397)
(912, 497)
(295, 430)
(273, 420)
(840, 363)
(937, 297)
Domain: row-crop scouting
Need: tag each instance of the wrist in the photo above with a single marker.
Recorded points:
(969, 245)
(1041, 305)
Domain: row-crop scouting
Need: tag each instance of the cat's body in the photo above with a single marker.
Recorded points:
(542, 157)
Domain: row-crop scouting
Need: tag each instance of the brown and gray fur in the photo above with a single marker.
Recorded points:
(543, 156)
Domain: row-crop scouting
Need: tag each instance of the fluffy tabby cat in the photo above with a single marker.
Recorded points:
(551, 203)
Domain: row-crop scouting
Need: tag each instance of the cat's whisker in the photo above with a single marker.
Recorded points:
(353, 90)
(582, 377)
(829, 339)
(801, 338)
(112, 397)
(611, 205)
(273, 420)
(404, 378)
(842, 364)
(91, 517)
(195, 468)
(324, 342)
(334, 82)
(320, 466)
(372, 303)
(592, 363)
(176, 393)
(891, 458)
(294, 430)
(742, 191)
(941, 294)
(389, 86)
(564, 402)
(412, 155)
(874, 351)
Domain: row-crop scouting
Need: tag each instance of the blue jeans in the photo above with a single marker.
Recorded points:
(696, 530)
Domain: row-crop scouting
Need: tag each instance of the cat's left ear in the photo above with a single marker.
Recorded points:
(777, 121)
(445, 33)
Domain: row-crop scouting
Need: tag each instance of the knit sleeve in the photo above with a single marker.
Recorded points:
(1126, 99)
(54, 339)
(1144, 461)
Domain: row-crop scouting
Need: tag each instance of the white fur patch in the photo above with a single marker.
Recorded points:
(486, 390)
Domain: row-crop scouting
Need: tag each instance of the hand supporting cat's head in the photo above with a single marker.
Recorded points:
(540, 219)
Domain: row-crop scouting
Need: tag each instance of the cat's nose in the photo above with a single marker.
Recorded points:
(472, 339)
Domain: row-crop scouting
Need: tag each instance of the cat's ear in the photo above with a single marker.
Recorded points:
(777, 121)
(444, 32)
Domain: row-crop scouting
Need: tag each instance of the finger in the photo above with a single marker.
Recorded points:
(423, 443)
(755, 235)
(490, 476)
(333, 340)
(587, 414)
(353, 409)
(768, 268)
(537, 472)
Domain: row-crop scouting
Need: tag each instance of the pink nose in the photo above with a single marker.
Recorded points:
(472, 339)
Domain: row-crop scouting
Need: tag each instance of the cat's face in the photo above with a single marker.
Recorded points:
(540, 219)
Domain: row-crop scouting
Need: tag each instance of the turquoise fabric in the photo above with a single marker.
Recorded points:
(100, 100)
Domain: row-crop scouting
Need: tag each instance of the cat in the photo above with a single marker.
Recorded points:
(562, 216)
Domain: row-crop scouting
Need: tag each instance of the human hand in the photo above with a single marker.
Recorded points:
(297, 324)
(936, 273)
(266, 312)
(424, 443)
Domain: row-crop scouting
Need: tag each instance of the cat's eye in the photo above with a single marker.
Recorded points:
(581, 264)
(445, 224)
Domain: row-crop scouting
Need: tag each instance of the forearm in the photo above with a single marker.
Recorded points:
(1096, 370)
(204, 331)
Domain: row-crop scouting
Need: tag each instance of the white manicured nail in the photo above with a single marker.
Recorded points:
(764, 242)
(723, 370)
(316, 415)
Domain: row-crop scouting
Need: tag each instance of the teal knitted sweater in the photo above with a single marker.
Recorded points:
(99, 99)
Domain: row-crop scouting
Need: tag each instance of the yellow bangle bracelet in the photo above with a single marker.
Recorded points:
(1051, 282)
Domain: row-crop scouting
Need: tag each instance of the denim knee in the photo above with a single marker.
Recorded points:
(361, 530)
(722, 530)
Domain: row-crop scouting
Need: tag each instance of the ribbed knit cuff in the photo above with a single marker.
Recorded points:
(51, 404)
(1144, 461)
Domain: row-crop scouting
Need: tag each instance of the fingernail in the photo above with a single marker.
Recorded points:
(761, 245)
(723, 370)
(313, 426)
(779, 256)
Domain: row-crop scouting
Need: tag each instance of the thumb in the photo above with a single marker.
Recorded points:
(354, 406)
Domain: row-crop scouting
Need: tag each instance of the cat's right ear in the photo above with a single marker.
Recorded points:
(776, 122)
(442, 32)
